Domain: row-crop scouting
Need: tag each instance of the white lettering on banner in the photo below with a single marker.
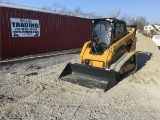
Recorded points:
(25, 27)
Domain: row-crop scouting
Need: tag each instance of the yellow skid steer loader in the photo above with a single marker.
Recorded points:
(109, 56)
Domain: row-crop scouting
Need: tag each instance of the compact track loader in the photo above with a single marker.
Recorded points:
(109, 56)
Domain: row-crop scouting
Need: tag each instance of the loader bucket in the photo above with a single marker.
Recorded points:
(89, 74)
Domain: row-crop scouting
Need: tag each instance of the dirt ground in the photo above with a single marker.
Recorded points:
(31, 90)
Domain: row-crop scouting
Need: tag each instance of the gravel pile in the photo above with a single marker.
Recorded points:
(31, 90)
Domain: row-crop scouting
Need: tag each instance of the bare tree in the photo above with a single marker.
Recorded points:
(78, 12)
(113, 14)
(140, 21)
(91, 15)
(70, 13)
(44, 8)
(47, 8)
(56, 7)
(63, 10)
(125, 18)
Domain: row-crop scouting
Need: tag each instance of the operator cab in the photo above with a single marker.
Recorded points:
(105, 32)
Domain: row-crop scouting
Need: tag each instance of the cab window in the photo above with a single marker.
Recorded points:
(119, 31)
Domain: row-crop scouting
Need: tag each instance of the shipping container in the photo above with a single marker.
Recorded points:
(28, 31)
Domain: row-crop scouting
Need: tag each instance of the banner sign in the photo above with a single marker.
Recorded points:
(25, 27)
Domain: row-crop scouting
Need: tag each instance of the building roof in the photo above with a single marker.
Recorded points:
(14, 6)
(147, 25)
(23, 7)
(151, 25)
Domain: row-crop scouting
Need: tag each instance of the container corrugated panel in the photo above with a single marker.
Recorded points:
(57, 32)
(0, 37)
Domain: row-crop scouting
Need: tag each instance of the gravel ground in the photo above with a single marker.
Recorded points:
(31, 90)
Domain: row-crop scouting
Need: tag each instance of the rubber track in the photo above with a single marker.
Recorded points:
(117, 65)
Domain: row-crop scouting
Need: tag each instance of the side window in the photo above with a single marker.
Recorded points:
(119, 31)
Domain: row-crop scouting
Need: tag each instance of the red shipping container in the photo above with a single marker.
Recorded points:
(57, 32)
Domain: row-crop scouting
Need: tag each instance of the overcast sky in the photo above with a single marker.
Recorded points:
(147, 8)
